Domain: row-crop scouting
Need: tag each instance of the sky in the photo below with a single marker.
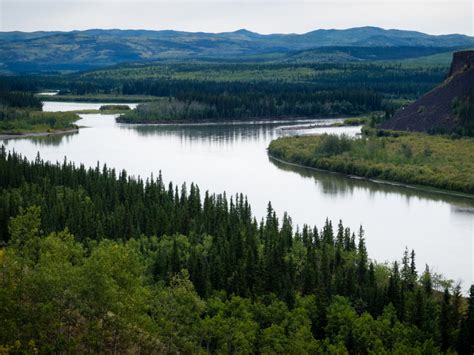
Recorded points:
(262, 16)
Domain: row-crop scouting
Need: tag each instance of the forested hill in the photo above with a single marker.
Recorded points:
(79, 50)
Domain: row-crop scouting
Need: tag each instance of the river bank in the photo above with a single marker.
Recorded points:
(233, 158)
(413, 159)
(4, 136)
(420, 188)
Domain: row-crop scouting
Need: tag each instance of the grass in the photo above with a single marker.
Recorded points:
(17, 122)
(356, 121)
(412, 158)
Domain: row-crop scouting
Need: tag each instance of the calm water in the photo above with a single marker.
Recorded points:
(233, 158)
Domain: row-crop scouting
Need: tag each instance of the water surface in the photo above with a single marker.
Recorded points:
(233, 158)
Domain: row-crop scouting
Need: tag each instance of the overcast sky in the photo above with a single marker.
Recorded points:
(290, 16)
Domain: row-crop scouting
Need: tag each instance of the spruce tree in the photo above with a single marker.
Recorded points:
(445, 321)
(466, 333)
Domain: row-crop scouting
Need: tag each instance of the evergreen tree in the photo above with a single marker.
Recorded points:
(465, 343)
(445, 321)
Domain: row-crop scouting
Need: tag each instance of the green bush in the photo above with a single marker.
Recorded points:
(411, 158)
(114, 107)
(17, 121)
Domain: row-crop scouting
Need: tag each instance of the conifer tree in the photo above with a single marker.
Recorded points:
(445, 321)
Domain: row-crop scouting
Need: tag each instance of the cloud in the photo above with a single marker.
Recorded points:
(263, 16)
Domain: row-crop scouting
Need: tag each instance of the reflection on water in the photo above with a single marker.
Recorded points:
(57, 106)
(233, 158)
(221, 134)
(463, 209)
(46, 140)
(343, 185)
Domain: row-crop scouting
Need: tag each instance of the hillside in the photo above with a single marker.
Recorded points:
(446, 108)
(81, 50)
(363, 53)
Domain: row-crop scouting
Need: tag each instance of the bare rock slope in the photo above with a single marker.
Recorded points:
(434, 110)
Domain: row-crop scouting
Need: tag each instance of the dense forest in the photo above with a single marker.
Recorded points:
(239, 91)
(96, 261)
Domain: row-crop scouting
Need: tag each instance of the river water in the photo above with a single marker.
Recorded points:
(233, 158)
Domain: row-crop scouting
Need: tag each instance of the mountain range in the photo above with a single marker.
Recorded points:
(80, 50)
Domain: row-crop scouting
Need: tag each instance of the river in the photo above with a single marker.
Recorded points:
(233, 158)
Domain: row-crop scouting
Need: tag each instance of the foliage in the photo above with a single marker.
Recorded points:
(411, 158)
(247, 90)
(114, 107)
(19, 99)
(18, 121)
(356, 121)
(166, 110)
(20, 112)
(137, 267)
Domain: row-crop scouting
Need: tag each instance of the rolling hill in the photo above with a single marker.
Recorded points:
(81, 50)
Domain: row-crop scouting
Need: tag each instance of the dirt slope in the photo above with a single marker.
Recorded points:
(434, 110)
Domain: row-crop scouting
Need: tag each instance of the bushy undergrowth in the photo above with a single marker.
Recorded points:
(420, 159)
(18, 121)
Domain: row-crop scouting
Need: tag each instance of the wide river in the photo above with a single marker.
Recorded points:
(233, 158)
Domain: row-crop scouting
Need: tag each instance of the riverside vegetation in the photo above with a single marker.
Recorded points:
(221, 90)
(20, 113)
(92, 260)
(96, 261)
(413, 158)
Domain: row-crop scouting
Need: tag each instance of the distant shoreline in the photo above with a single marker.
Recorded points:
(249, 120)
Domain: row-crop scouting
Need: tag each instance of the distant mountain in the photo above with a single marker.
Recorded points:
(447, 108)
(79, 50)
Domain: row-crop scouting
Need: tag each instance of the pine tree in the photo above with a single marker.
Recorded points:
(445, 321)
(413, 272)
(465, 342)
(393, 291)
(427, 282)
(418, 312)
(361, 263)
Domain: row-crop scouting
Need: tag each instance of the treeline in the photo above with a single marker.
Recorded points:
(248, 100)
(167, 110)
(97, 261)
(252, 90)
(412, 158)
(19, 99)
